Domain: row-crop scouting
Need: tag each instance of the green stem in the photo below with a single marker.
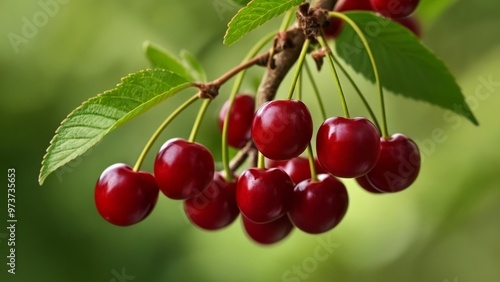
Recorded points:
(199, 119)
(261, 161)
(385, 131)
(300, 62)
(360, 94)
(310, 155)
(322, 41)
(316, 92)
(286, 20)
(299, 87)
(160, 129)
(234, 92)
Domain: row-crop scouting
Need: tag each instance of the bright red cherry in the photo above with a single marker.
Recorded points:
(264, 195)
(398, 164)
(394, 8)
(183, 169)
(347, 147)
(282, 129)
(365, 184)
(334, 26)
(124, 197)
(268, 233)
(412, 23)
(318, 206)
(215, 207)
(240, 120)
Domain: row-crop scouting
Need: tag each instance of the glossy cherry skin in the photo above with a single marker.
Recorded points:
(263, 195)
(411, 23)
(240, 120)
(282, 129)
(318, 206)
(268, 233)
(367, 186)
(334, 26)
(214, 207)
(124, 197)
(395, 8)
(347, 148)
(183, 169)
(398, 164)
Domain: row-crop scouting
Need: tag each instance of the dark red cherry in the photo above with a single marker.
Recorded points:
(183, 169)
(318, 206)
(240, 120)
(124, 197)
(394, 8)
(268, 233)
(264, 195)
(347, 147)
(411, 23)
(398, 164)
(282, 129)
(214, 207)
(365, 184)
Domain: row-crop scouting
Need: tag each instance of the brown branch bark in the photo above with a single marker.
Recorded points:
(284, 60)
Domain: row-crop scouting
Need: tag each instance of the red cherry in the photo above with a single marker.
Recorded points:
(398, 164)
(411, 23)
(183, 169)
(240, 120)
(124, 197)
(365, 184)
(268, 233)
(334, 26)
(282, 129)
(263, 195)
(318, 206)
(394, 8)
(347, 147)
(215, 207)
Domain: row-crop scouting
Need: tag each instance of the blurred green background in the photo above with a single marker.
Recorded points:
(445, 228)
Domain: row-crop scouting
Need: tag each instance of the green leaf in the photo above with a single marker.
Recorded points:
(98, 116)
(256, 13)
(406, 66)
(194, 66)
(160, 58)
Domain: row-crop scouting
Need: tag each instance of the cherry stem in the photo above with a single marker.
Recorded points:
(199, 119)
(299, 87)
(312, 165)
(300, 62)
(322, 41)
(160, 129)
(261, 162)
(286, 20)
(232, 96)
(316, 91)
(360, 94)
(359, 32)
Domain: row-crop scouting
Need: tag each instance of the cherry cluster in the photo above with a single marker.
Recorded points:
(397, 10)
(288, 191)
(280, 189)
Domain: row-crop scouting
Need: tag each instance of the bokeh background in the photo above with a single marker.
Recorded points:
(446, 227)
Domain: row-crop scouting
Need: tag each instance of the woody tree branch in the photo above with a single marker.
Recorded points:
(290, 44)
